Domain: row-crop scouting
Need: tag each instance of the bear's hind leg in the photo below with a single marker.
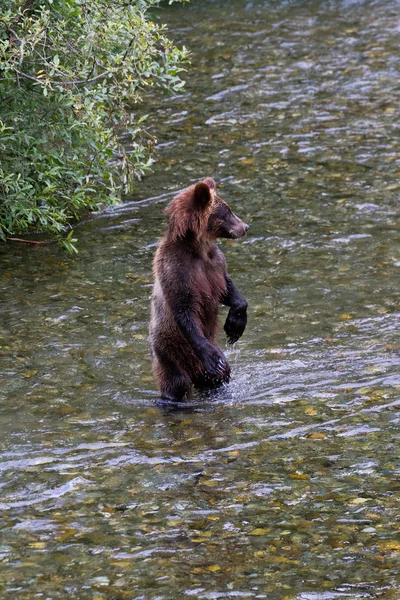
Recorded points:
(173, 383)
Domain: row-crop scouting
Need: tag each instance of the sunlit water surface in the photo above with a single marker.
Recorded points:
(285, 483)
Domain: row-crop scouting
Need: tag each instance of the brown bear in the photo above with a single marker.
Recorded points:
(190, 281)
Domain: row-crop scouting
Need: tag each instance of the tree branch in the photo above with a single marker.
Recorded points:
(13, 239)
(73, 82)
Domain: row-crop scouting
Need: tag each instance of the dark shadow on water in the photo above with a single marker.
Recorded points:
(199, 401)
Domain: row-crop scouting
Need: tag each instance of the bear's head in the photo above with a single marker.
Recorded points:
(199, 213)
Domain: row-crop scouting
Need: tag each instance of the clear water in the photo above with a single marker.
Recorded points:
(285, 483)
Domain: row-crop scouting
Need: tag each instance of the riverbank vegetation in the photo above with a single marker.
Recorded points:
(71, 77)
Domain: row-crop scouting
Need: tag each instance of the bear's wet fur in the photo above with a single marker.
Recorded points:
(190, 282)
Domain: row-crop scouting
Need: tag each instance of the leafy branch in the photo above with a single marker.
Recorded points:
(70, 74)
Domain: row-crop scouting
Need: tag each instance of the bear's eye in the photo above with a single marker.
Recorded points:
(222, 211)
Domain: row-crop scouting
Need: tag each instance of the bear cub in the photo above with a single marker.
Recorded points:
(190, 281)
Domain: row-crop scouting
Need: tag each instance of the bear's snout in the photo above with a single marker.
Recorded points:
(239, 228)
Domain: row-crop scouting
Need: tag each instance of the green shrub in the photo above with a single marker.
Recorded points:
(70, 74)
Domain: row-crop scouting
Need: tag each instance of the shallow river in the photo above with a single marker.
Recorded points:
(285, 483)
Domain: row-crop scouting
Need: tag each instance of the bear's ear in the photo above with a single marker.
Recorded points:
(211, 183)
(202, 194)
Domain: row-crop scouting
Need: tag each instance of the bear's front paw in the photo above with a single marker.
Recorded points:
(235, 324)
(216, 366)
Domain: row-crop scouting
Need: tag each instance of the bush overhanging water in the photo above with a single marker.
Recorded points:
(70, 73)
